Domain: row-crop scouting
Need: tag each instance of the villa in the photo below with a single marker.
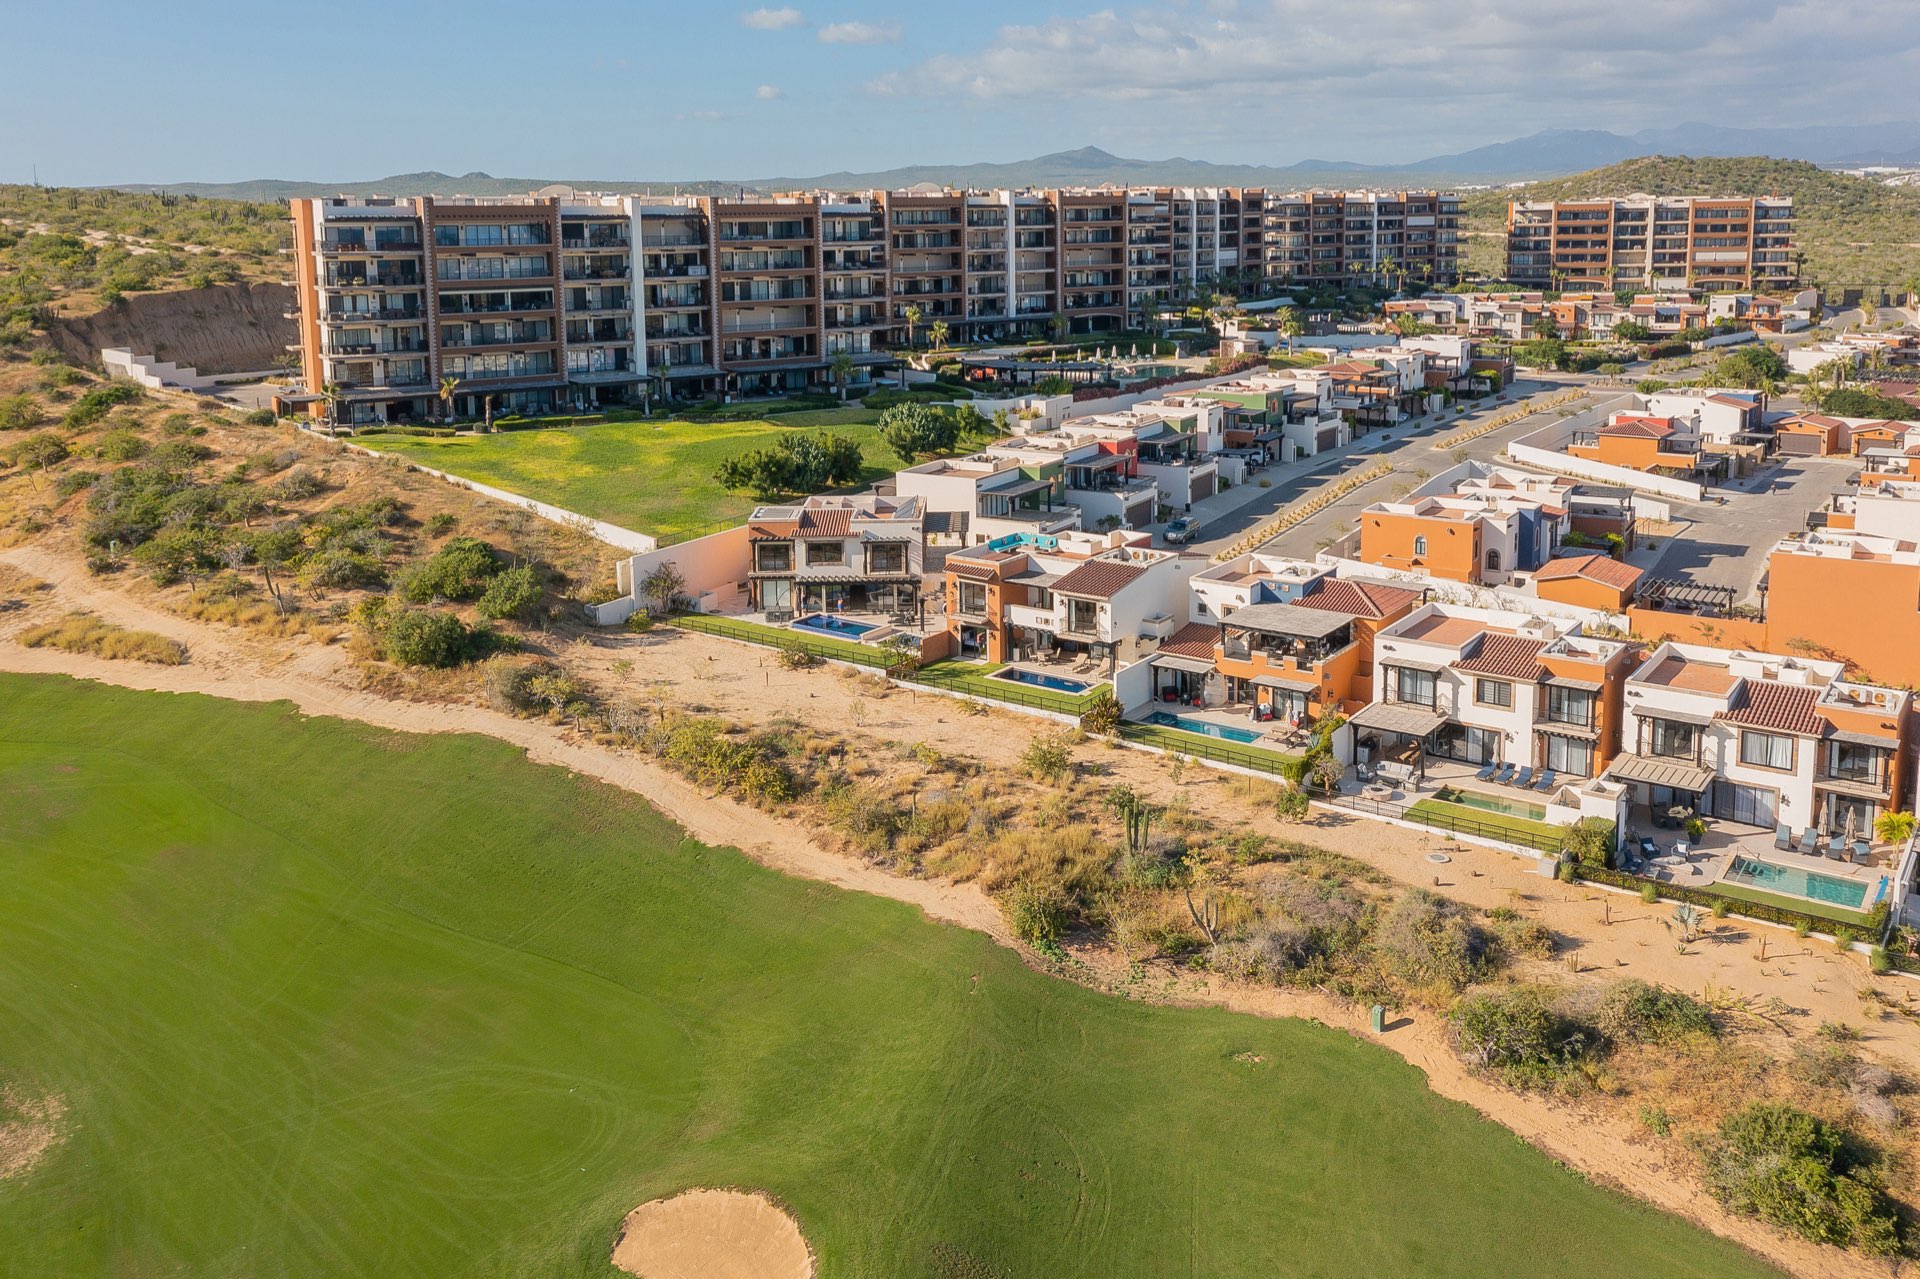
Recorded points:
(1078, 595)
(858, 554)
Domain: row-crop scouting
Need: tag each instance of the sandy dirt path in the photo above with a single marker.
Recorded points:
(744, 680)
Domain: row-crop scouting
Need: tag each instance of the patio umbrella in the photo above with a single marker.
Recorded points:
(1852, 819)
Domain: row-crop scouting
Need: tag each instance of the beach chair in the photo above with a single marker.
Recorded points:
(1486, 769)
(1783, 837)
(1862, 852)
(1810, 841)
(1546, 780)
(1525, 777)
(1837, 848)
(1506, 772)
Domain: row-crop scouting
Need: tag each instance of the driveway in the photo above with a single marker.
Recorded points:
(1727, 544)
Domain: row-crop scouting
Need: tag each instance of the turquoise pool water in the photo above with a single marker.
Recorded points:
(1796, 882)
(1495, 804)
(1058, 683)
(1206, 728)
(824, 624)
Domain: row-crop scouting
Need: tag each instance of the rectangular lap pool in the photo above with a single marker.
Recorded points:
(1204, 727)
(840, 627)
(1058, 683)
(1796, 882)
(1493, 804)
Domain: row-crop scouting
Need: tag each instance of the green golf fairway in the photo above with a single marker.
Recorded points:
(323, 1000)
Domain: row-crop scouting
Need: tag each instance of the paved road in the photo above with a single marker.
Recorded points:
(1728, 544)
(1410, 448)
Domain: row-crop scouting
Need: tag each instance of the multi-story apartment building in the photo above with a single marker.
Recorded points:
(1343, 237)
(565, 299)
(1652, 241)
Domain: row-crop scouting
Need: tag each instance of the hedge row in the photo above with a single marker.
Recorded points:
(1707, 897)
(436, 432)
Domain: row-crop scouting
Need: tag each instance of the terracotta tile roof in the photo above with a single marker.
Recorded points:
(1738, 401)
(1359, 599)
(1098, 579)
(1787, 708)
(968, 569)
(1656, 428)
(828, 521)
(1195, 639)
(1595, 568)
(1509, 656)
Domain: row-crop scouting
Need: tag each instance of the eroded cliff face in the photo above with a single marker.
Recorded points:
(228, 328)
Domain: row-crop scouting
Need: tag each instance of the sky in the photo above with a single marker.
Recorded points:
(110, 91)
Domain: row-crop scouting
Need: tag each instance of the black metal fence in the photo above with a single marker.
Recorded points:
(1208, 748)
(1459, 824)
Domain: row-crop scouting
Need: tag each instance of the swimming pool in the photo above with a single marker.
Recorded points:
(822, 624)
(1493, 804)
(1204, 727)
(1058, 683)
(1800, 883)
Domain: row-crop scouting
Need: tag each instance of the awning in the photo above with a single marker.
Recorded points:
(1560, 681)
(1677, 717)
(1841, 786)
(1861, 739)
(1175, 662)
(1304, 684)
(1398, 717)
(1019, 489)
(1569, 730)
(1431, 668)
(1659, 772)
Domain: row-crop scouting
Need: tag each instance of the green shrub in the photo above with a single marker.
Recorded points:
(459, 570)
(73, 482)
(1640, 1012)
(441, 523)
(639, 622)
(21, 412)
(1047, 757)
(1102, 714)
(1516, 1033)
(258, 417)
(1038, 913)
(98, 402)
(425, 637)
(1589, 842)
(120, 445)
(1795, 1171)
(512, 594)
(1430, 942)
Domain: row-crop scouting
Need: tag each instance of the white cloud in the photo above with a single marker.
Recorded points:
(860, 33)
(769, 93)
(773, 19)
(1434, 74)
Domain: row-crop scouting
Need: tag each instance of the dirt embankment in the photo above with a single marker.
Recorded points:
(228, 328)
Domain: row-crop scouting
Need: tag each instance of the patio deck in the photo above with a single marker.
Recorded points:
(1707, 861)
(1274, 735)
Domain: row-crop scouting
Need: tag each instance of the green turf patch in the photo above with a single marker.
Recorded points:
(1781, 901)
(1200, 746)
(825, 646)
(1540, 836)
(325, 1000)
(976, 678)
(653, 476)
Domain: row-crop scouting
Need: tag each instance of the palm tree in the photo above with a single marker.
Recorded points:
(488, 423)
(1287, 321)
(330, 396)
(842, 366)
(937, 333)
(1057, 326)
(1391, 269)
(912, 314)
(1149, 310)
(448, 385)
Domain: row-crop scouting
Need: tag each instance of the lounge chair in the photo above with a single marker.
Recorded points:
(1525, 777)
(1862, 852)
(1506, 772)
(1837, 849)
(1648, 849)
(1546, 780)
(1486, 769)
(1810, 841)
(1783, 837)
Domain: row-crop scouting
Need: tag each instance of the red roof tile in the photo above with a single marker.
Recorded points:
(1098, 579)
(1787, 708)
(1508, 656)
(1195, 639)
(967, 569)
(1657, 428)
(1595, 568)
(1359, 599)
(828, 521)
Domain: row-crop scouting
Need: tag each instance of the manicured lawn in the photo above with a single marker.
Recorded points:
(735, 628)
(654, 477)
(323, 1000)
(1543, 836)
(1201, 746)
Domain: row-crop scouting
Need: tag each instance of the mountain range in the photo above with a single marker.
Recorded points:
(1547, 154)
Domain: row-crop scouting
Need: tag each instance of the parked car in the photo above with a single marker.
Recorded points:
(1178, 531)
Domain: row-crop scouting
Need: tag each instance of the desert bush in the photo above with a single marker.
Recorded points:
(459, 570)
(1795, 1171)
(257, 417)
(440, 523)
(704, 750)
(1102, 714)
(424, 637)
(120, 445)
(1047, 757)
(21, 412)
(792, 659)
(73, 482)
(95, 637)
(1635, 1011)
(513, 594)
(340, 568)
(1517, 1034)
(100, 401)
(1429, 942)
(1037, 912)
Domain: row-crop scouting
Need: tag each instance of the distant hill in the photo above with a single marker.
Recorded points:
(1086, 166)
(1853, 231)
(428, 182)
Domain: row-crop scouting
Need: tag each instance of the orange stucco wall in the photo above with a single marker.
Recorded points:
(1583, 592)
(1637, 452)
(306, 289)
(1334, 679)
(1453, 546)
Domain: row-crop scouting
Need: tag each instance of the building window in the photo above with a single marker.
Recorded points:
(1493, 561)
(1854, 762)
(1569, 706)
(773, 557)
(1413, 686)
(1670, 739)
(887, 557)
(1569, 755)
(973, 598)
(777, 596)
(1419, 547)
(1767, 750)
(820, 554)
(1493, 692)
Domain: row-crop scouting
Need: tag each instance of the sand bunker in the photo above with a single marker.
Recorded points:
(712, 1234)
(29, 1128)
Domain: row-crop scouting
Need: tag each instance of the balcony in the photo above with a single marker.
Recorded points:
(767, 326)
(340, 248)
(599, 273)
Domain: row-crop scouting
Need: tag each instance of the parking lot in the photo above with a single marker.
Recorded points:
(1726, 539)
